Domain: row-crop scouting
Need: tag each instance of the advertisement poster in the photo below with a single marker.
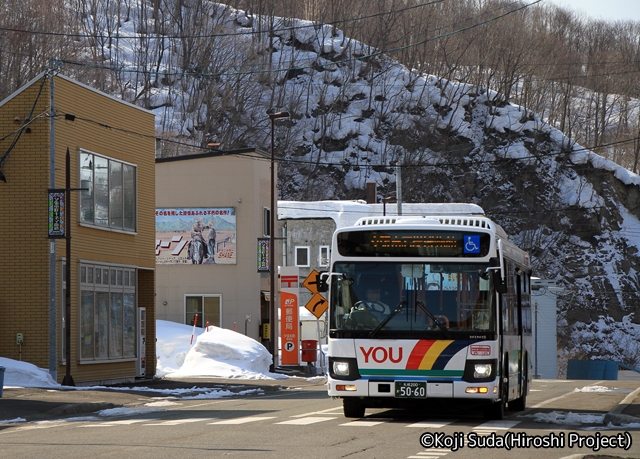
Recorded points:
(199, 236)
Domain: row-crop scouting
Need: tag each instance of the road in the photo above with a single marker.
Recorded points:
(306, 423)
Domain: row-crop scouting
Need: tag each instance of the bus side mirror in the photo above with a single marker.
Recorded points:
(321, 281)
(498, 284)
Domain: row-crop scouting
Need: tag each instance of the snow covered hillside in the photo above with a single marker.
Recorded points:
(355, 114)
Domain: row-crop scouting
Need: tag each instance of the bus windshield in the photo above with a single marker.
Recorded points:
(397, 299)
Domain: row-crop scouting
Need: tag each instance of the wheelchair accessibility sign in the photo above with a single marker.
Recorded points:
(471, 244)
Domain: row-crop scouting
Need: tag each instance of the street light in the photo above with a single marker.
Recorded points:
(273, 316)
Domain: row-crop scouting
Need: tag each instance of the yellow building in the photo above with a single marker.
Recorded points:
(111, 147)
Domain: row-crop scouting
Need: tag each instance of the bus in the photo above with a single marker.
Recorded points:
(428, 310)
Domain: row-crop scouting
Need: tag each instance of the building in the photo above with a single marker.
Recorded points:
(109, 335)
(217, 201)
(544, 347)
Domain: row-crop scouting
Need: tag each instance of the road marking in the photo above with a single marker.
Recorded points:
(244, 420)
(497, 425)
(176, 422)
(306, 421)
(339, 408)
(430, 454)
(430, 425)
(363, 423)
(125, 422)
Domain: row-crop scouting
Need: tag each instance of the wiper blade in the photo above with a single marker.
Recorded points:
(375, 331)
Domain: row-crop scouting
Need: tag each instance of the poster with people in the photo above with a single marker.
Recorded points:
(199, 236)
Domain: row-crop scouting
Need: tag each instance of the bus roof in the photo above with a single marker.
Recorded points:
(470, 221)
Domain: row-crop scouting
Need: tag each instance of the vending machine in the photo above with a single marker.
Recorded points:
(142, 342)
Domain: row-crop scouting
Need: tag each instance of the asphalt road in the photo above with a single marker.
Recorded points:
(303, 422)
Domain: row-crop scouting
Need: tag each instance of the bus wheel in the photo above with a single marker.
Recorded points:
(353, 407)
(496, 411)
(520, 404)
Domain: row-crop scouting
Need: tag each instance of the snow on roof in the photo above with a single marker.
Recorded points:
(347, 213)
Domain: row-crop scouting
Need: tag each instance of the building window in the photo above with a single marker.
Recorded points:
(109, 198)
(302, 257)
(207, 307)
(266, 221)
(107, 312)
(324, 253)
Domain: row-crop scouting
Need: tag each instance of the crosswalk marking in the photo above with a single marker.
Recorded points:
(176, 422)
(362, 423)
(244, 420)
(304, 415)
(430, 454)
(430, 425)
(124, 422)
(498, 425)
(306, 421)
(490, 427)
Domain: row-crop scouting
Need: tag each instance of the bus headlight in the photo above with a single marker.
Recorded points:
(343, 368)
(482, 370)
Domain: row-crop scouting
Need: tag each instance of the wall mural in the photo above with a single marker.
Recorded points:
(199, 236)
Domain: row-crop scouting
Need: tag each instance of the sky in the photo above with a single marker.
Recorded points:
(604, 9)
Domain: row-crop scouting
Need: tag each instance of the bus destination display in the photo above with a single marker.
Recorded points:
(404, 243)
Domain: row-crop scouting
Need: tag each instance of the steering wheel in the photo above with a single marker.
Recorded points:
(374, 306)
(442, 320)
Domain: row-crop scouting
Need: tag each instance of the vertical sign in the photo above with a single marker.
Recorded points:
(289, 321)
(263, 254)
(56, 214)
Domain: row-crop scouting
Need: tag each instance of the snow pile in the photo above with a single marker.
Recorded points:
(221, 353)
(23, 374)
(218, 353)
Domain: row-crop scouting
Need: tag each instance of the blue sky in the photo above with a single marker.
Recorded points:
(603, 9)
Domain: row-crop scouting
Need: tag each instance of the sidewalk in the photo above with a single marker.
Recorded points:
(18, 405)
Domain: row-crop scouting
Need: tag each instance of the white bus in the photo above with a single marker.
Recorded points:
(429, 310)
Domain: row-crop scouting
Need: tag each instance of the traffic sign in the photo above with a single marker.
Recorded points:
(311, 282)
(317, 305)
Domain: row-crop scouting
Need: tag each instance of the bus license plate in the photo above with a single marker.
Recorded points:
(411, 389)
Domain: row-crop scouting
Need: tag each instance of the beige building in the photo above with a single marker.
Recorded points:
(211, 210)
(111, 146)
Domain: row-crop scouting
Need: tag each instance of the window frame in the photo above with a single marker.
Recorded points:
(103, 337)
(201, 312)
(306, 249)
(323, 262)
(266, 221)
(123, 196)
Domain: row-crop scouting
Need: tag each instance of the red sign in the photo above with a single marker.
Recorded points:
(289, 328)
(480, 349)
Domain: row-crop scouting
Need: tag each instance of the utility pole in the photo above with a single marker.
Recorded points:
(399, 187)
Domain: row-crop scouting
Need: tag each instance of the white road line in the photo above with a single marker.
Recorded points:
(176, 422)
(430, 425)
(125, 422)
(363, 423)
(244, 420)
(330, 410)
(430, 454)
(306, 421)
(497, 425)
